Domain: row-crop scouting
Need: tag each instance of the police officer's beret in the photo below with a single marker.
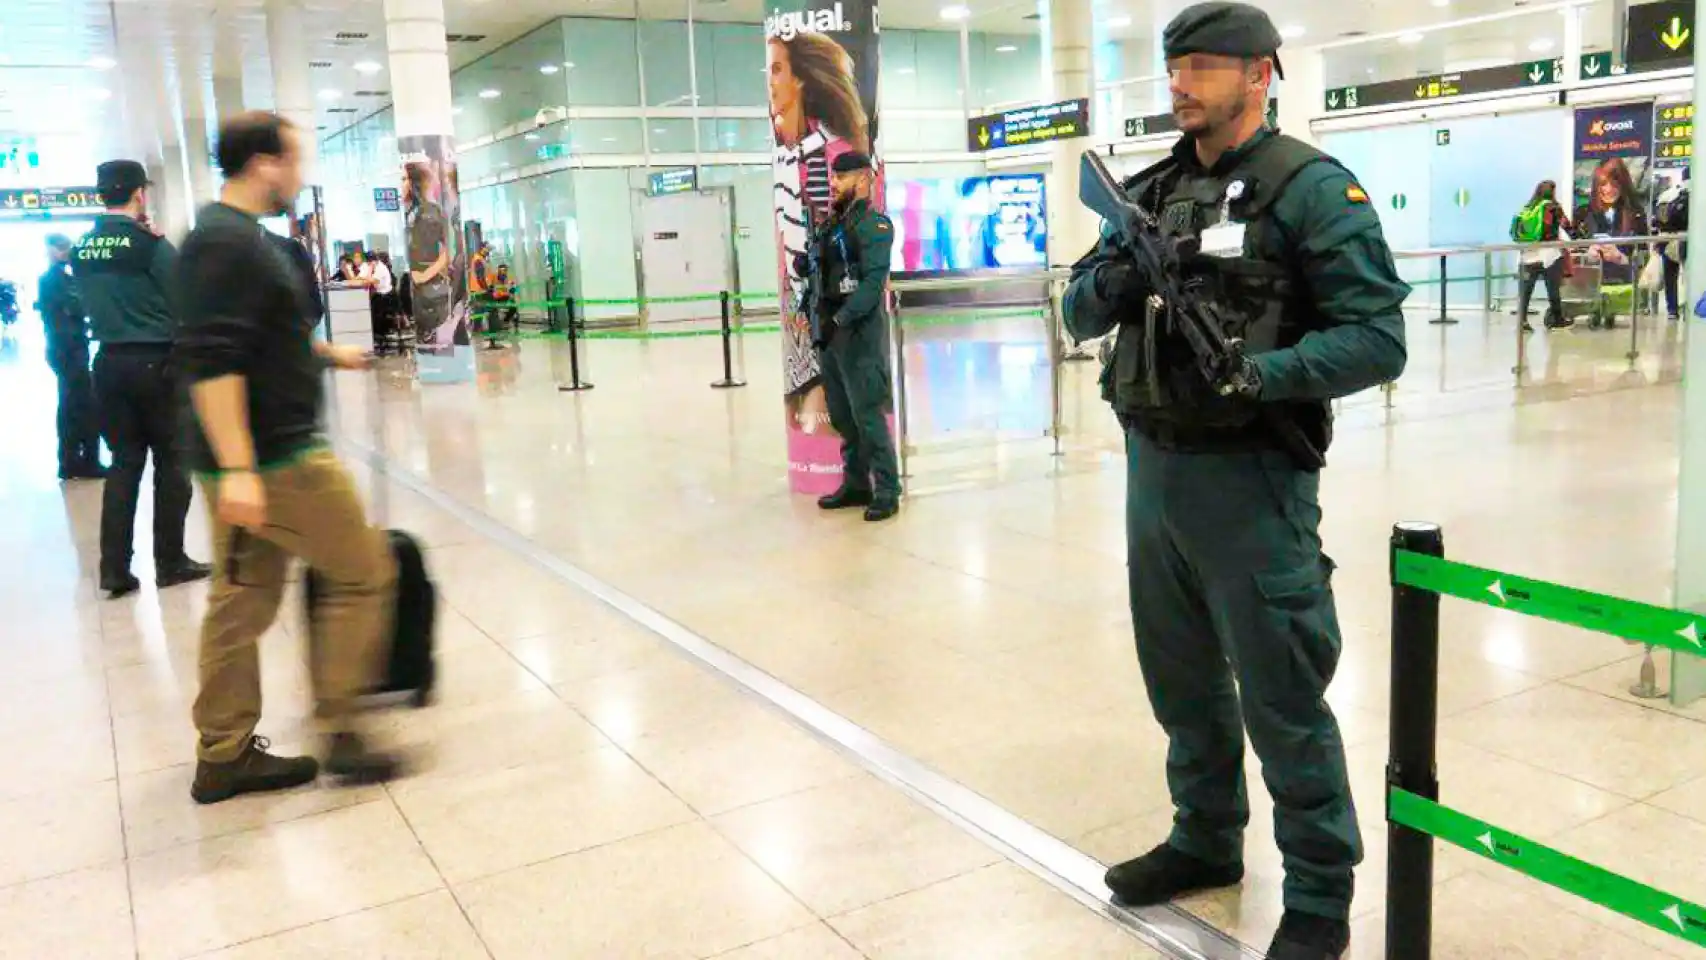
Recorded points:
(1227, 29)
(851, 162)
(58, 241)
(115, 175)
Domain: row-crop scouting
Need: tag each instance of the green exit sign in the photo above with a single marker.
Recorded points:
(1442, 138)
(553, 151)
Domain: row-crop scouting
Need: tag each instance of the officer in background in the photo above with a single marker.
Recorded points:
(124, 272)
(68, 357)
(1230, 592)
(851, 334)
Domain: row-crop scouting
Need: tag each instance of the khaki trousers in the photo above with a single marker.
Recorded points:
(314, 514)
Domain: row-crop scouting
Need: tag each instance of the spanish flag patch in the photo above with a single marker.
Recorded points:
(1355, 194)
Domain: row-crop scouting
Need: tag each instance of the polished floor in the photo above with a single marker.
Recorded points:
(583, 789)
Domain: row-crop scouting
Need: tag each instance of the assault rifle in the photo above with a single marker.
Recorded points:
(1180, 303)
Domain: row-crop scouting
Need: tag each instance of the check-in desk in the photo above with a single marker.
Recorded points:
(351, 317)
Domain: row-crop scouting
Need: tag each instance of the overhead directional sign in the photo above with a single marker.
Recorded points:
(1660, 35)
(49, 200)
(1510, 76)
(1066, 120)
(1149, 126)
(1596, 65)
(1673, 134)
(387, 199)
(667, 182)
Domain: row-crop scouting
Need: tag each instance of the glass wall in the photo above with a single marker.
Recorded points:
(558, 129)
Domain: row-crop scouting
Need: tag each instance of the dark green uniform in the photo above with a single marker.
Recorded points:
(1231, 596)
(68, 356)
(853, 282)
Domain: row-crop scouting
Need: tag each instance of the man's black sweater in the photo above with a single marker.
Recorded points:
(244, 313)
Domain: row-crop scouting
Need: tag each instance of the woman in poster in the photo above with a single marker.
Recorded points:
(1613, 209)
(816, 115)
(439, 310)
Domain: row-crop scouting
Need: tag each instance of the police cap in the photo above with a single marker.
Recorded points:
(115, 176)
(851, 162)
(1226, 29)
(58, 241)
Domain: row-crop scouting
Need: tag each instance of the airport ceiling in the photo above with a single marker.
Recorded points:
(58, 70)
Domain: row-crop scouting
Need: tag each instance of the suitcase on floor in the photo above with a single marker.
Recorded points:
(410, 667)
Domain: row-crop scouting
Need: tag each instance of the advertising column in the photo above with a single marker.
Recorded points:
(822, 64)
(432, 202)
(1612, 179)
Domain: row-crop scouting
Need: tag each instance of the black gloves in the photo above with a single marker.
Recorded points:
(1241, 378)
(825, 333)
(1118, 282)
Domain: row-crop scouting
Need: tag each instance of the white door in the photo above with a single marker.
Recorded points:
(684, 253)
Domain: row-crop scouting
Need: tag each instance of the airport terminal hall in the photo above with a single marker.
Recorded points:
(852, 480)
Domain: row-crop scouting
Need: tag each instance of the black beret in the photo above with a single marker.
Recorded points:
(116, 175)
(851, 162)
(1227, 29)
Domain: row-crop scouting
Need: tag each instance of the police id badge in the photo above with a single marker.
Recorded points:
(848, 285)
(1226, 238)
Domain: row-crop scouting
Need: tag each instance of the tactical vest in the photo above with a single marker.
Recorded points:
(1153, 379)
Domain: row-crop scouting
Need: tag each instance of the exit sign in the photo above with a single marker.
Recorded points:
(1659, 36)
(1442, 138)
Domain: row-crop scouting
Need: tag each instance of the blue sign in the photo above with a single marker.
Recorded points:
(387, 199)
(667, 182)
(1621, 130)
(1029, 126)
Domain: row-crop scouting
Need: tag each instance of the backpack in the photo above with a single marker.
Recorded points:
(1673, 216)
(1529, 225)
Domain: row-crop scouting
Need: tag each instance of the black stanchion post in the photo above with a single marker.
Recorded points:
(728, 347)
(1444, 293)
(575, 383)
(1410, 763)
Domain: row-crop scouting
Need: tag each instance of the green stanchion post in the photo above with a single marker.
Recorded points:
(1411, 763)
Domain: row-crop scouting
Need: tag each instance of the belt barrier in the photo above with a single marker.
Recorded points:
(1414, 815)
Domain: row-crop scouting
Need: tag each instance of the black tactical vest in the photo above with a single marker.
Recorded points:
(1153, 380)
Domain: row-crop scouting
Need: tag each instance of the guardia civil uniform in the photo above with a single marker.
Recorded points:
(1231, 596)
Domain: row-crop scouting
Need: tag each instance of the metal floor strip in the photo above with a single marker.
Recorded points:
(1169, 929)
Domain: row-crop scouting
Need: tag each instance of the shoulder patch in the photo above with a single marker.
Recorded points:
(1355, 194)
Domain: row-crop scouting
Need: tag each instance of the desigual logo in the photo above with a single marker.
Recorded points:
(1600, 128)
(787, 26)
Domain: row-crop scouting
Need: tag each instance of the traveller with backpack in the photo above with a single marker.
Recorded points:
(1542, 220)
(1672, 217)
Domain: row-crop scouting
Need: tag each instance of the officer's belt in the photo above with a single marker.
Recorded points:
(1173, 437)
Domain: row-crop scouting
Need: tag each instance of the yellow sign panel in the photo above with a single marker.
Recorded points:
(1683, 111)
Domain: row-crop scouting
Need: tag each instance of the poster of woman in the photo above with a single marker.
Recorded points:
(821, 59)
(432, 214)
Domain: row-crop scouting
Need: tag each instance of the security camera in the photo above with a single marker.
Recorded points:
(541, 119)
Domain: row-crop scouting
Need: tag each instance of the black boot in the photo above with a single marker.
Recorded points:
(256, 771)
(1165, 874)
(882, 508)
(844, 498)
(116, 585)
(1304, 936)
(180, 571)
(353, 762)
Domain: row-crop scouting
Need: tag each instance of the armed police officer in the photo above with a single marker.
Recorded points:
(124, 273)
(68, 357)
(848, 276)
(1231, 599)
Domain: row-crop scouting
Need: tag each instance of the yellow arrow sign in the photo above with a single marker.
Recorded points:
(1676, 36)
(983, 136)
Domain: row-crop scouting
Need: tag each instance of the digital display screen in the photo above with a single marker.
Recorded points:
(970, 223)
(49, 200)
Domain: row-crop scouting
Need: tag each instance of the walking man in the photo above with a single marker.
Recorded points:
(274, 490)
(124, 274)
(1231, 596)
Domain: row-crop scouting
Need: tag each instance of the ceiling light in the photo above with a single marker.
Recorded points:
(1119, 23)
(568, 64)
(330, 94)
(101, 63)
(368, 67)
(1292, 32)
(100, 94)
(956, 13)
(608, 139)
(1410, 39)
(1541, 46)
(1007, 48)
(1442, 3)
(904, 70)
(531, 136)
(455, 110)
(490, 94)
(549, 69)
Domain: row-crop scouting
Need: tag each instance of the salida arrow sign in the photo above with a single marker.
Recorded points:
(1659, 35)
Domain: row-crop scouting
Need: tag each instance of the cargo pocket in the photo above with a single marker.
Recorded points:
(1298, 611)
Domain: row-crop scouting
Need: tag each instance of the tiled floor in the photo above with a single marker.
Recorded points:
(582, 790)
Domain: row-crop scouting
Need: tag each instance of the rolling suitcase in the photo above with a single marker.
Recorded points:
(410, 666)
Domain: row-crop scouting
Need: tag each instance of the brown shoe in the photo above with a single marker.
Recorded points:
(256, 771)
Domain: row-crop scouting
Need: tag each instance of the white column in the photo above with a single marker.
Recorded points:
(293, 97)
(152, 125)
(1302, 94)
(1688, 674)
(227, 63)
(1072, 229)
(420, 67)
(1572, 74)
(193, 107)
